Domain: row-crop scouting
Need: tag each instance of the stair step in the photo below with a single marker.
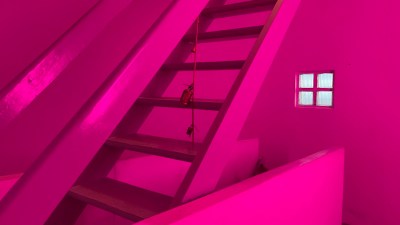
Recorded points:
(207, 104)
(239, 8)
(170, 148)
(120, 198)
(239, 32)
(224, 65)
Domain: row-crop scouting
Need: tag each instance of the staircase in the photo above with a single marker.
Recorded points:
(224, 93)
(136, 203)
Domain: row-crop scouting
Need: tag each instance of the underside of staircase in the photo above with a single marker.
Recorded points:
(228, 36)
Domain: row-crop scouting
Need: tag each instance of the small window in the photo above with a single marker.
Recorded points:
(315, 89)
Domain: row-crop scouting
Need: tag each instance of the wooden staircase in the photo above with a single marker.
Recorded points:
(174, 149)
(125, 200)
(136, 203)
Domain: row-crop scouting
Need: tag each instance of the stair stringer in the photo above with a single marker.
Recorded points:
(41, 189)
(207, 170)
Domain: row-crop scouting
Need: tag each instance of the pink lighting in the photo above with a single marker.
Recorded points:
(277, 82)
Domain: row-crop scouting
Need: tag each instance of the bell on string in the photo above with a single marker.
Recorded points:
(187, 95)
(194, 49)
(190, 130)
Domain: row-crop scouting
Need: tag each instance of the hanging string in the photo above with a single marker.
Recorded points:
(194, 50)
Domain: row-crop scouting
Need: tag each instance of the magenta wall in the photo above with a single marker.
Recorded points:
(360, 41)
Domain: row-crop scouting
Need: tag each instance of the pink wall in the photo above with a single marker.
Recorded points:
(359, 40)
(306, 192)
(30, 27)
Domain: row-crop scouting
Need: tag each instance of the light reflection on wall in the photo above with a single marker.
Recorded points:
(118, 91)
(32, 85)
(55, 61)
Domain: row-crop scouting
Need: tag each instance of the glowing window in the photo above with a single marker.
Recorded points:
(314, 89)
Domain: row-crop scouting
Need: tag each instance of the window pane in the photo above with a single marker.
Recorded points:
(324, 98)
(306, 80)
(325, 80)
(306, 98)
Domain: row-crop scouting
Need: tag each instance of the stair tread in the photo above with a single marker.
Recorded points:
(221, 65)
(256, 5)
(238, 32)
(120, 198)
(209, 104)
(171, 148)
